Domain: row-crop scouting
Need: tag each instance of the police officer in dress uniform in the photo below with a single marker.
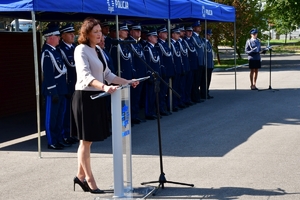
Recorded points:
(105, 29)
(108, 58)
(175, 35)
(143, 39)
(140, 71)
(186, 99)
(143, 42)
(112, 36)
(110, 65)
(193, 61)
(253, 49)
(67, 47)
(126, 67)
(153, 60)
(54, 87)
(205, 83)
(200, 72)
(167, 69)
(105, 34)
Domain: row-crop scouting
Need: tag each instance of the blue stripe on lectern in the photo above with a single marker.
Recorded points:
(125, 133)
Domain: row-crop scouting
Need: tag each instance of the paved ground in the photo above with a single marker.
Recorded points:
(242, 144)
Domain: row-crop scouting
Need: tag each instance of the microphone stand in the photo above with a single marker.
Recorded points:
(162, 179)
(270, 69)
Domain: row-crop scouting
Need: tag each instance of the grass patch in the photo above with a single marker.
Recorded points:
(230, 63)
(279, 46)
(282, 42)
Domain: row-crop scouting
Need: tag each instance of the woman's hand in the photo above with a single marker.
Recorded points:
(134, 83)
(110, 88)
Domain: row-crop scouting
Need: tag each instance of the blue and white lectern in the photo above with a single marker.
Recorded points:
(121, 140)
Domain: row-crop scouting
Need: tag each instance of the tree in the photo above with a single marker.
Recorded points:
(249, 14)
(286, 10)
(284, 14)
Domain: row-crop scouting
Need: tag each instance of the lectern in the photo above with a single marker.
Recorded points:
(121, 140)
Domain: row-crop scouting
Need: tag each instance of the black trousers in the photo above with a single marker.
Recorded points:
(197, 76)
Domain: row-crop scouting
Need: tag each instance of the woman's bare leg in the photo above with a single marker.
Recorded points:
(84, 164)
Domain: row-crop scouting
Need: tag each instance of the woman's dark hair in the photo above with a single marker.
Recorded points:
(88, 24)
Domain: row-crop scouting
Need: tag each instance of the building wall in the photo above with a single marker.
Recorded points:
(17, 76)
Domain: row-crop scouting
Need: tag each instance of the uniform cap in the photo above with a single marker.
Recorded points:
(175, 30)
(145, 31)
(181, 28)
(188, 28)
(152, 32)
(162, 29)
(208, 32)
(253, 31)
(103, 24)
(51, 29)
(196, 23)
(123, 27)
(136, 27)
(68, 28)
(112, 28)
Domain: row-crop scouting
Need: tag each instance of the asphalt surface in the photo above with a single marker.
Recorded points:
(242, 144)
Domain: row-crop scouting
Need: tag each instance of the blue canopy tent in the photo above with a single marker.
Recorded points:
(48, 10)
(77, 10)
(201, 9)
(214, 11)
(186, 10)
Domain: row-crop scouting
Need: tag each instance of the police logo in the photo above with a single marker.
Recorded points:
(203, 11)
(110, 5)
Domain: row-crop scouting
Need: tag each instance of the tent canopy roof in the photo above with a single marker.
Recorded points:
(49, 10)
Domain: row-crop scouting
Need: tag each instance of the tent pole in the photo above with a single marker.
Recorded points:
(206, 95)
(37, 89)
(235, 82)
(170, 79)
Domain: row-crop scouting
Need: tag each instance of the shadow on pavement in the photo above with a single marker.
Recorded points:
(209, 129)
(224, 193)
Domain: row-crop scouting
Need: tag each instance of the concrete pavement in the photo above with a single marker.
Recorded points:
(242, 144)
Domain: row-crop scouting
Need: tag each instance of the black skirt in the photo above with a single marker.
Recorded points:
(90, 119)
(254, 64)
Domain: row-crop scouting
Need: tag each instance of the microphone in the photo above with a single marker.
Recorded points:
(269, 48)
(123, 42)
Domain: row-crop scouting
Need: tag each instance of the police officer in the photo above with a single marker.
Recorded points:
(107, 56)
(177, 101)
(138, 59)
(143, 39)
(193, 61)
(167, 69)
(205, 83)
(67, 48)
(126, 67)
(185, 79)
(112, 36)
(105, 29)
(153, 60)
(200, 72)
(54, 87)
(253, 49)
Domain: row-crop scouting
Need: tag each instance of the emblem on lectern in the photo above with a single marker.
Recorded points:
(125, 115)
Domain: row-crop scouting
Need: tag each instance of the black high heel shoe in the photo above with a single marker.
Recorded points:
(96, 191)
(81, 184)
